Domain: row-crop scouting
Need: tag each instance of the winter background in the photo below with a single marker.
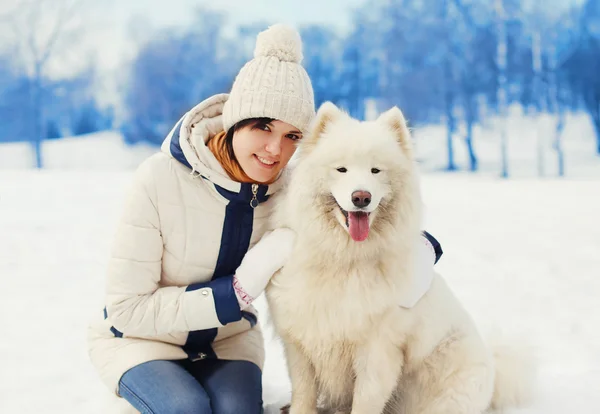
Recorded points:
(503, 97)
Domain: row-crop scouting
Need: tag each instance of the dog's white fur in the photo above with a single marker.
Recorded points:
(348, 345)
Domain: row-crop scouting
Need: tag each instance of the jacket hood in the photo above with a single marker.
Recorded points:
(187, 144)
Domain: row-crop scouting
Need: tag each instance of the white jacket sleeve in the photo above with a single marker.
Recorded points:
(136, 305)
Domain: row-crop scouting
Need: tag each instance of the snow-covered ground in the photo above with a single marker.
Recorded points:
(522, 255)
(98, 151)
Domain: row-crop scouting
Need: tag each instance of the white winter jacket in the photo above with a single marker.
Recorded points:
(184, 231)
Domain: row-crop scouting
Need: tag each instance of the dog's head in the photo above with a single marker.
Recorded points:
(359, 175)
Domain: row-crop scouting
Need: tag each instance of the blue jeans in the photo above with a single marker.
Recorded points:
(208, 386)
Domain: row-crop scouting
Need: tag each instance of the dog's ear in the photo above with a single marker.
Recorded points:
(394, 119)
(326, 114)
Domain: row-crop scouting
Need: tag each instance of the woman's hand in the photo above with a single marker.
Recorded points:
(260, 264)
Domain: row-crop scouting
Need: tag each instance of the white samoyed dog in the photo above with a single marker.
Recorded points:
(352, 344)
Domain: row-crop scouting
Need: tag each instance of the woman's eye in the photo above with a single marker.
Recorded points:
(342, 169)
(262, 127)
(293, 137)
(375, 170)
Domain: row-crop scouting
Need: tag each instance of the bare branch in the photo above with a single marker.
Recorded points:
(464, 11)
(27, 21)
(65, 15)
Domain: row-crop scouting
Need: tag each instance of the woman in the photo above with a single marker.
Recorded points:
(179, 333)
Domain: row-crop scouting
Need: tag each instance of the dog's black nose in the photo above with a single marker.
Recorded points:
(361, 198)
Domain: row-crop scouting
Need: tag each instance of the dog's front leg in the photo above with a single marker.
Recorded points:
(378, 366)
(304, 383)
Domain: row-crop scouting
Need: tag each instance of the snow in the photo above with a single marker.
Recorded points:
(98, 151)
(521, 254)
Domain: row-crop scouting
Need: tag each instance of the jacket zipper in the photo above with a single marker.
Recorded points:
(254, 201)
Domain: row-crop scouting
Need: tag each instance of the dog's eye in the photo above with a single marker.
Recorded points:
(375, 170)
(342, 169)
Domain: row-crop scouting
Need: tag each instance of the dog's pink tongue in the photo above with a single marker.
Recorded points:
(358, 225)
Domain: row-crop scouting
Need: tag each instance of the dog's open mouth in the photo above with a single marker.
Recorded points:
(357, 223)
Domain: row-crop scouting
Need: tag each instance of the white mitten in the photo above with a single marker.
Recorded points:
(422, 274)
(260, 263)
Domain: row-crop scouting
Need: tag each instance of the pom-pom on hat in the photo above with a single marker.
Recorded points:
(273, 84)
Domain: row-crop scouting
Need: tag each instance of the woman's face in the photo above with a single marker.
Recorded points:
(263, 150)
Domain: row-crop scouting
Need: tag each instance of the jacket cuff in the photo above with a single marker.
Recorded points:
(437, 247)
(226, 302)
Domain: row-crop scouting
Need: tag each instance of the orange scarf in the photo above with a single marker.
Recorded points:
(233, 169)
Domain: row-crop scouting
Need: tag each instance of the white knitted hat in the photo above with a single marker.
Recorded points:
(273, 84)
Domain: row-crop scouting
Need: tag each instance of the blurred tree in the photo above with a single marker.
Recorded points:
(52, 129)
(584, 63)
(87, 120)
(174, 71)
(322, 60)
(359, 64)
(13, 101)
(41, 29)
(411, 50)
(501, 64)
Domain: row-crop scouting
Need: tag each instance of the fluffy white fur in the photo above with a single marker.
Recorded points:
(280, 41)
(349, 346)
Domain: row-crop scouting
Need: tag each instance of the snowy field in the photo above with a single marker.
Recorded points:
(522, 255)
